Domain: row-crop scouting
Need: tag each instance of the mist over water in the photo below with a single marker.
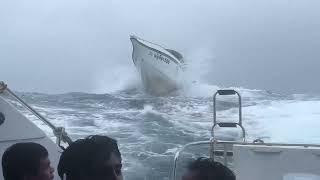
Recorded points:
(150, 129)
(59, 46)
(116, 77)
(82, 50)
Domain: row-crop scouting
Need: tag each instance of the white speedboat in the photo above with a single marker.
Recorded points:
(160, 69)
(250, 161)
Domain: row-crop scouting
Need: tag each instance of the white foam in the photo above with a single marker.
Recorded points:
(287, 121)
(196, 89)
(147, 108)
(116, 77)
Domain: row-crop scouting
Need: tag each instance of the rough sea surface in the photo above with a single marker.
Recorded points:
(150, 129)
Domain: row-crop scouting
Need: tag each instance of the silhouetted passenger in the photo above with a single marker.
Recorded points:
(207, 169)
(93, 158)
(26, 161)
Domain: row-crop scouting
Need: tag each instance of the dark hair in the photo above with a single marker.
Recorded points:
(207, 169)
(22, 159)
(84, 156)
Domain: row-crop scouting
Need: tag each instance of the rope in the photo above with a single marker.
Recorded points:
(59, 132)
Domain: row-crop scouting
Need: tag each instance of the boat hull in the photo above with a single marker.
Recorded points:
(159, 71)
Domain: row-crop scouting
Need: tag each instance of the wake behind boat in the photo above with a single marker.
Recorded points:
(160, 69)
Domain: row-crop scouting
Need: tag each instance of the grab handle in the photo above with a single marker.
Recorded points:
(226, 92)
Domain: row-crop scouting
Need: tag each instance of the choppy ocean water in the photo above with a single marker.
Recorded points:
(150, 129)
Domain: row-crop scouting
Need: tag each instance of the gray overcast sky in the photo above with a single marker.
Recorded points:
(83, 45)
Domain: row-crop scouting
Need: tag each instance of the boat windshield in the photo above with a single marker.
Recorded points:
(176, 54)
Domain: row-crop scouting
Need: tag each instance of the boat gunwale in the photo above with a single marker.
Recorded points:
(177, 62)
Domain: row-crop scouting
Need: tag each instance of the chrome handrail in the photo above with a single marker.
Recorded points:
(176, 157)
(239, 123)
(213, 140)
(225, 124)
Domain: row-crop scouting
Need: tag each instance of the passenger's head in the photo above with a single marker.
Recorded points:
(207, 169)
(26, 161)
(93, 158)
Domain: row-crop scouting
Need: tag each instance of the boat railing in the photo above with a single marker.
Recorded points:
(227, 124)
(59, 132)
(136, 37)
(222, 148)
(214, 141)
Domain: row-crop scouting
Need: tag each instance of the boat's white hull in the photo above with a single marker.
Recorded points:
(160, 72)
